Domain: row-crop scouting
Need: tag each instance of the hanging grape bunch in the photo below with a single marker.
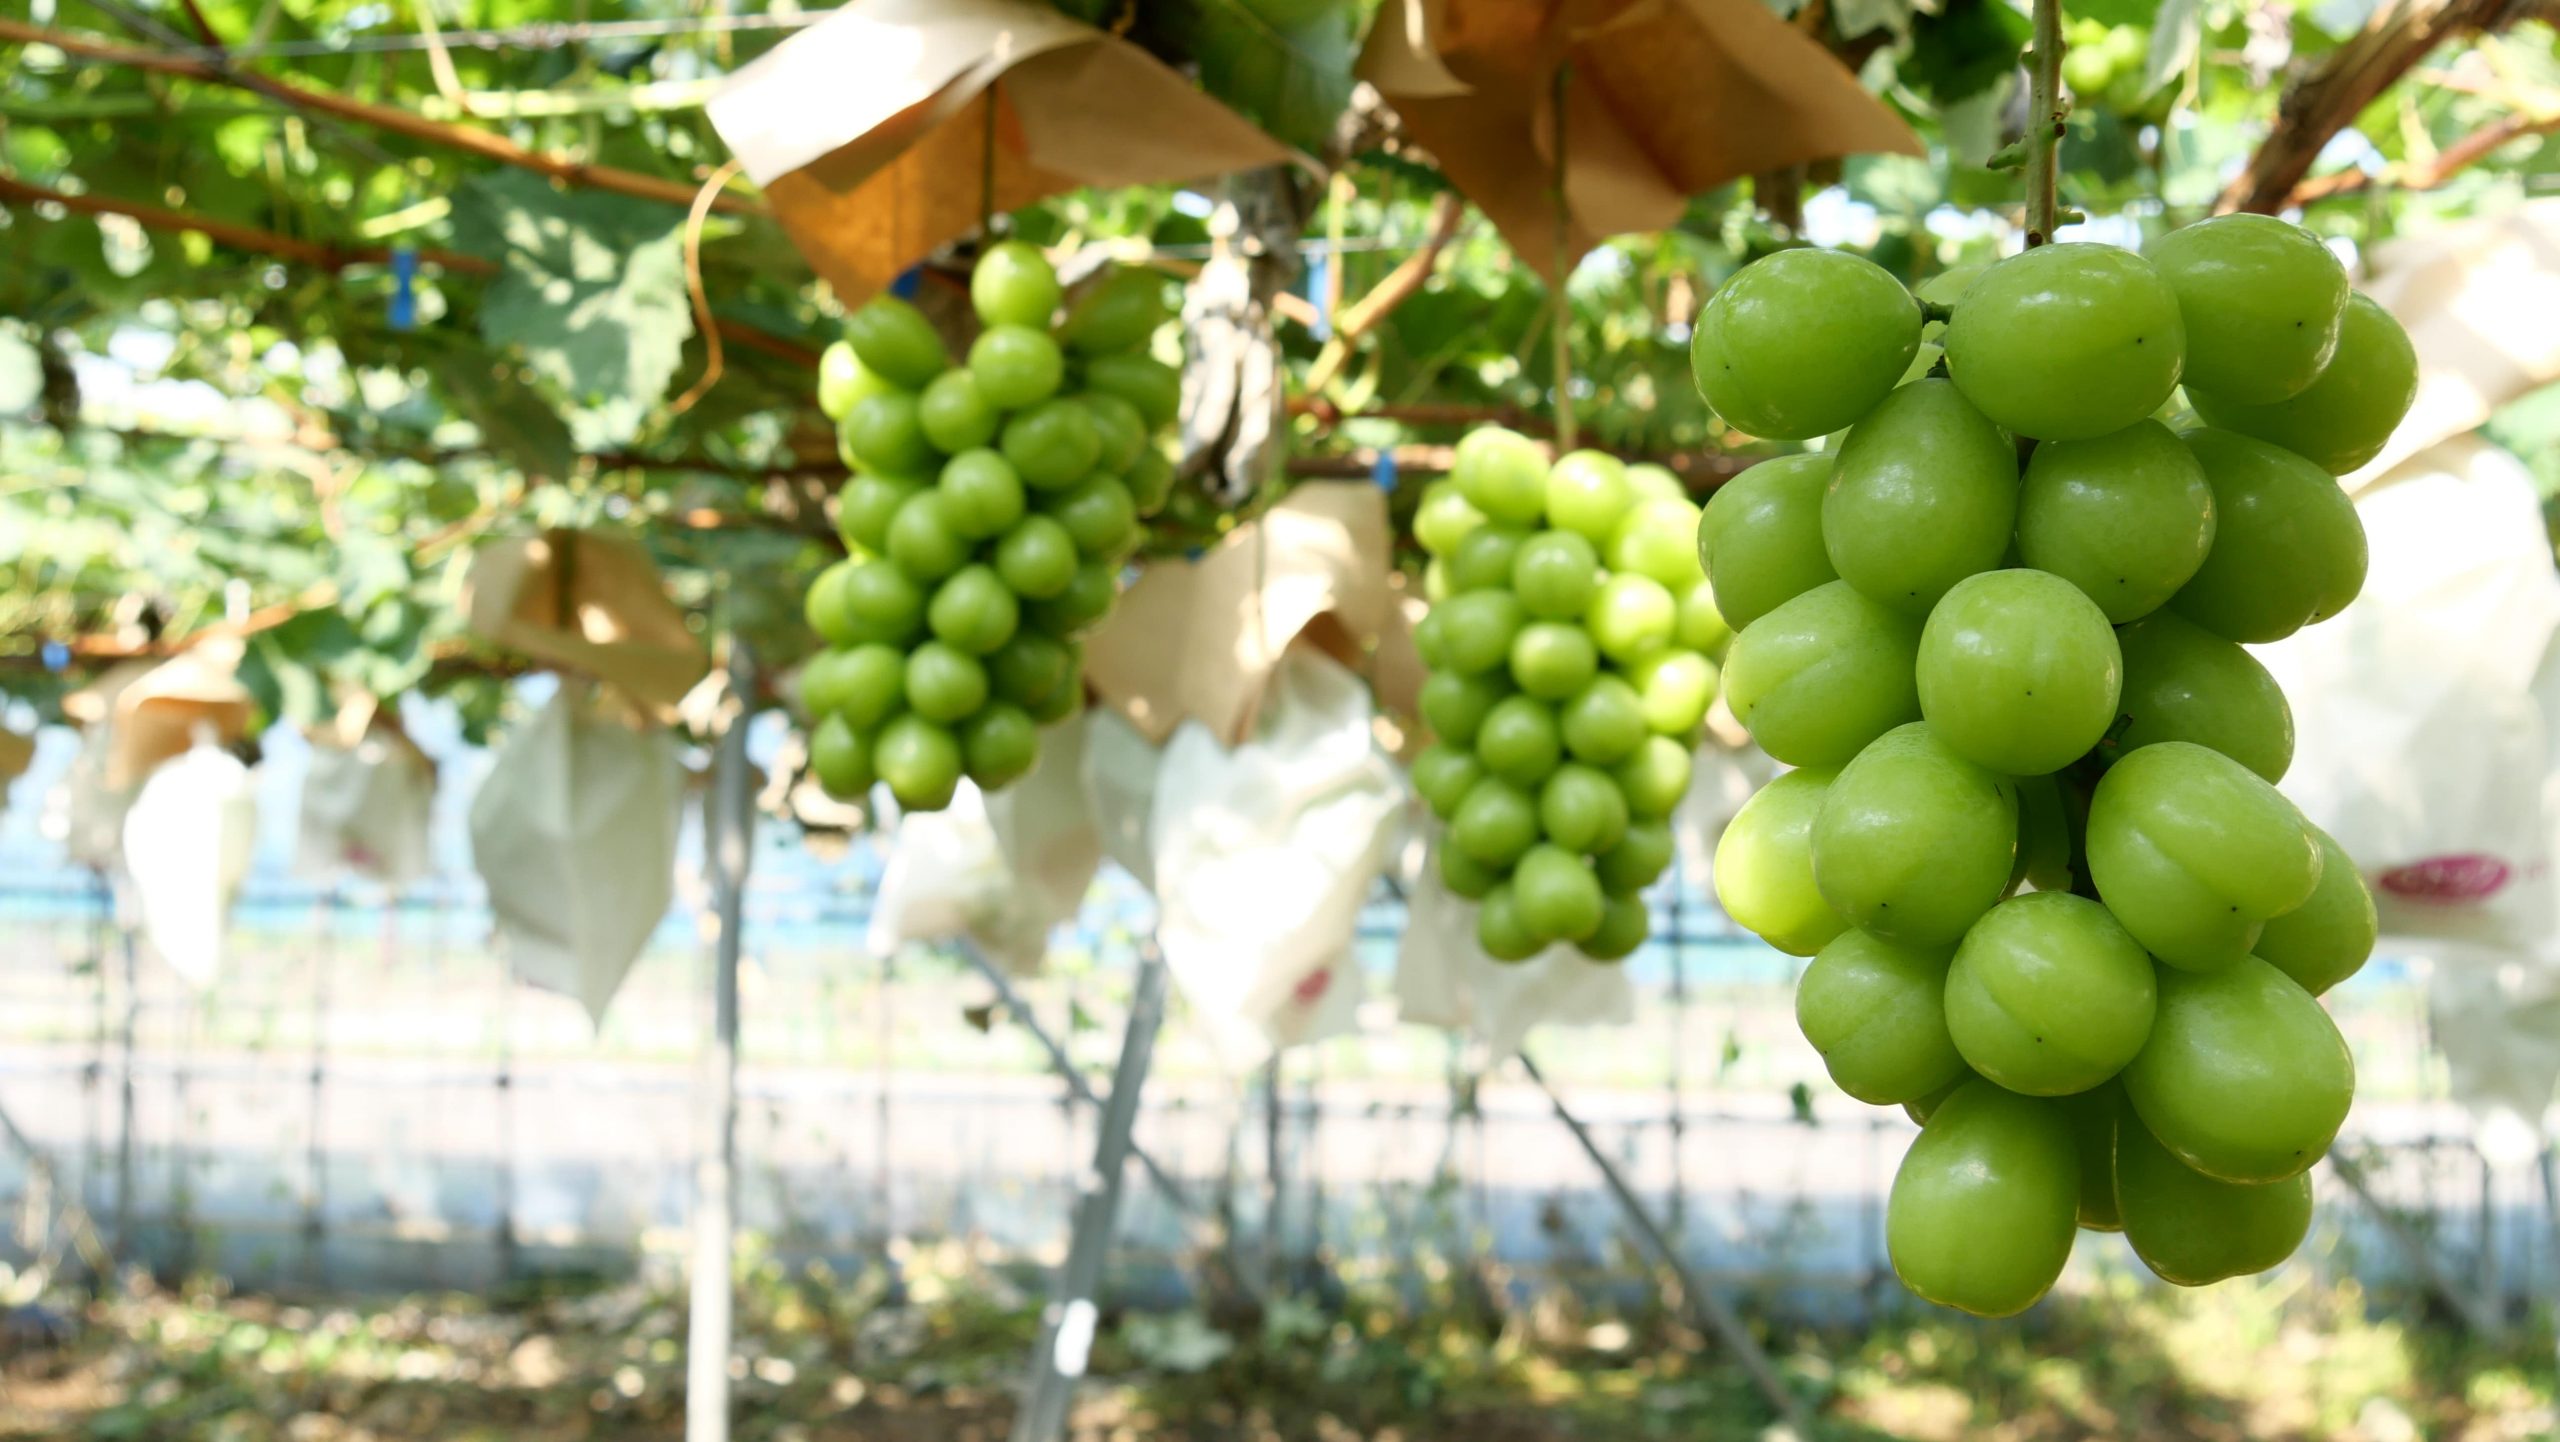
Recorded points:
(2032, 841)
(990, 508)
(1571, 644)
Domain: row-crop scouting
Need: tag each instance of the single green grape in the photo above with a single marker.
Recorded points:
(1925, 494)
(1983, 1210)
(2018, 671)
(2196, 1230)
(895, 343)
(1503, 474)
(1658, 538)
(841, 758)
(1444, 519)
(2345, 418)
(2066, 342)
(1476, 629)
(2093, 1116)
(1677, 687)
(843, 379)
(1587, 492)
(1800, 343)
(1871, 1008)
(1454, 705)
(1604, 723)
(1654, 777)
(884, 434)
(1519, 741)
(1640, 856)
(2288, 547)
(1014, 284)
(955, 414)
(2244, 1077)
(2193, 852)
(2261, 299)
(2184, 683)
(1000, 744)
(2049, 995)
(1495, 823)
(1580, 807)
(1920, 1109)
(1764, 865)
(1559, 898)
(1697, 624)
(1649, 482)
(2327, 939)
(2127, 517)
(1818, 678)
(1624, 923)
(1760, 537)
(1556, 574)
(1501, 929)
(1915, 843)
(1483, 560)
(1553, 660)
(921, 762)
(1464, 875)
(1631, 617)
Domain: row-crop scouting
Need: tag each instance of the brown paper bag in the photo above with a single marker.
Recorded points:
(868, 131)
(1665, 99)
(1198, 640)
(588, 603)
(17, 752)
(155, 718)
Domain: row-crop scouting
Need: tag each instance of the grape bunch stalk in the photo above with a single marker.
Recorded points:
(1571, 643)
(2031, 838)
(990, 509)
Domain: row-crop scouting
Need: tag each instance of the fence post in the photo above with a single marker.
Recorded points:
(728, 829)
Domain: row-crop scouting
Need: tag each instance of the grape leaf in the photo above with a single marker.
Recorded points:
(1964, 49)
(1293, 82)
(591, 289)
(2175, 38)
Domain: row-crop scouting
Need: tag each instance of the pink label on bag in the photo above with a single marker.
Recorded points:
(2470, 877)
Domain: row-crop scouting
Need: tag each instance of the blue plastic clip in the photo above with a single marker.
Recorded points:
(1384, 472)
(57, 657)
(404, 287)
(908, 283)
(1319, 291)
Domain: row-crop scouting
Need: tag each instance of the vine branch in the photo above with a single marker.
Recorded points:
(2044, 124)
(382, 117)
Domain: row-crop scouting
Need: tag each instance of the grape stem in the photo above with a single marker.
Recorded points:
(1931, 310)
(2044, 123)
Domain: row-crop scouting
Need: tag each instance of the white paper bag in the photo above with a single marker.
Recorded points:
(188, 841)
(1120, 766)
(574, 830)
(1001, 871)
(1264, 855)
(1444, 979)
(2419, 744)
(87, 813)
(366, 809)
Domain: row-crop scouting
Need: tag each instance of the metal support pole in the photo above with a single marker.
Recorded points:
(1066, 1327)
(1020, 1010)
(129, 1023)
(728, 822)
(1706, 1310)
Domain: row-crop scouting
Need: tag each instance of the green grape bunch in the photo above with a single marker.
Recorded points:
(990, 509)
(2032, 841)
(1572, 647)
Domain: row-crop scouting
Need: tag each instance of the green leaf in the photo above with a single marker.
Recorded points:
(1964, 49)
(591, 289)
(513, 420)
(1293, 82)
(2175, 38)
(21, 376)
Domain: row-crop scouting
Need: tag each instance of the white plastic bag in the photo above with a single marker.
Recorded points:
(366, 809)
(1120, 766)
(1444, 979)
(2419, 743)
(188, 841)
(1002, 871)
(1264, 855)
(574, 830)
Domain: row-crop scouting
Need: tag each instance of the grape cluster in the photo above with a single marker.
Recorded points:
(1571, 643)
(2032, 841)
(990, 508)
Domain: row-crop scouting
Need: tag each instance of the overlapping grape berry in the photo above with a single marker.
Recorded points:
(2056, 906)
(991, 506)
(1572, 646)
